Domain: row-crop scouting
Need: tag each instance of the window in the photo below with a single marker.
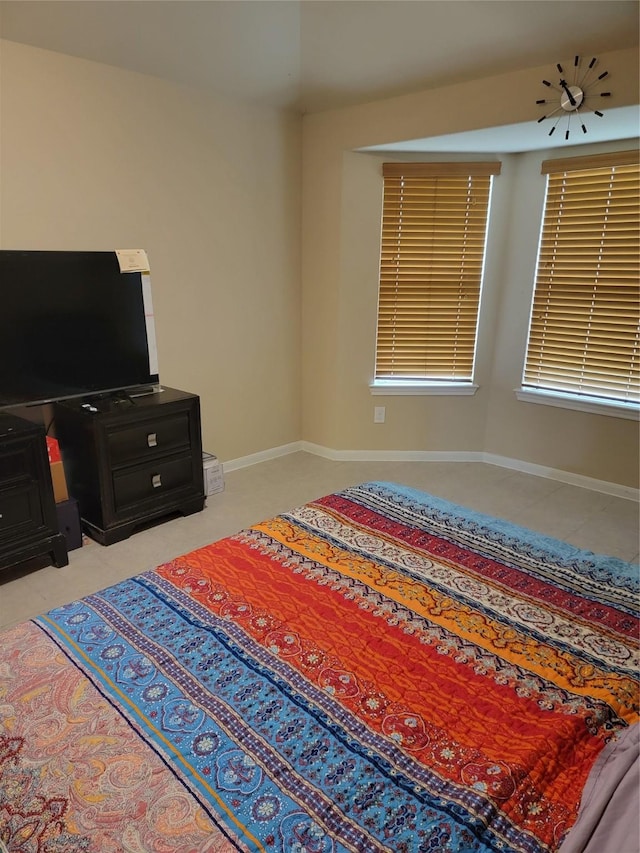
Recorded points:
(434, 227)
(584, 335)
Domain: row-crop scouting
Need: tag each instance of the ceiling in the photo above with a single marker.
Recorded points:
(323, 54)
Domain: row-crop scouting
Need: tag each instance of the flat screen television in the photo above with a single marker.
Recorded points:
(72, 325)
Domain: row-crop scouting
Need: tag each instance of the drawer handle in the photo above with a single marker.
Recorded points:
(152, 439)
(156, 481)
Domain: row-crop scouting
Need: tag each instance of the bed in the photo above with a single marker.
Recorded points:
(376, 670)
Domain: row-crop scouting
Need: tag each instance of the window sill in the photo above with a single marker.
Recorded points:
(594, 405)
(397, 387)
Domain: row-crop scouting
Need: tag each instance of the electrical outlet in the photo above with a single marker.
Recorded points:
(378, 414)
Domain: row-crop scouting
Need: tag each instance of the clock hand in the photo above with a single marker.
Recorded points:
(549, 115)
(572, 100)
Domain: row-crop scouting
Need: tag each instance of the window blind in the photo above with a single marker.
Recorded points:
(584, 335)
(434, 227)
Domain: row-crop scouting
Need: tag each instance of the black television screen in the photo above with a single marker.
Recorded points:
(72, 324)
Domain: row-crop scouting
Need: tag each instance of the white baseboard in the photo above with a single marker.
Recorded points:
(619, 491)
(392, 455)
(262, 456)
(615, 489)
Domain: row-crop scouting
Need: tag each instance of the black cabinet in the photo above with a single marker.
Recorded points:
(28, 519)
(130, 461)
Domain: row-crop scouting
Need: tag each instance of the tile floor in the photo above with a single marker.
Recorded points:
(587, 519)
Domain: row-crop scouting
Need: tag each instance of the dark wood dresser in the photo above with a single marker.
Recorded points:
(129, 461)
(28, 519)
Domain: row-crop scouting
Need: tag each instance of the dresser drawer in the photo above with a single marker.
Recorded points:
(148, 439)
(151, 482)
(15, 461)
(20, 511)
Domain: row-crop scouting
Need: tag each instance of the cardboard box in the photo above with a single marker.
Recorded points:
(213, 474)
(58, 478)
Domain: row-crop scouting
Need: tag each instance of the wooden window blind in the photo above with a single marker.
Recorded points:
(434, 226)
(584, 335)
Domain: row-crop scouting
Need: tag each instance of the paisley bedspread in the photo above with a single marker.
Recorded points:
(377, 670)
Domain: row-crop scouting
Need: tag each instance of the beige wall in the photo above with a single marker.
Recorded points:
(96, 157)
(341, 232)
(93, 157)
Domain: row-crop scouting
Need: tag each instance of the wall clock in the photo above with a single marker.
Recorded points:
(576, 93)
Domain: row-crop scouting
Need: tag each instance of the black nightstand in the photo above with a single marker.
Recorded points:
(131, 460)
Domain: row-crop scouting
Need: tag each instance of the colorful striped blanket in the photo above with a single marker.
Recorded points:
(377, 670)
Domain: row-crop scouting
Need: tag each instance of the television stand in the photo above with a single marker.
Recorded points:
(131, 465)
